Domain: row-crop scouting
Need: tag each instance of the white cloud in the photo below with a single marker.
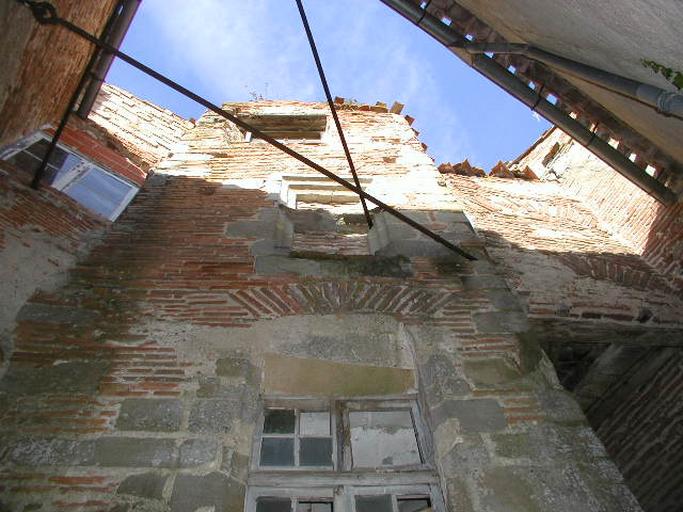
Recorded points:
(227, 48)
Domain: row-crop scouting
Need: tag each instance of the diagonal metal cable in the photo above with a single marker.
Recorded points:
(45, 13)
(85, 77)
(330, 102)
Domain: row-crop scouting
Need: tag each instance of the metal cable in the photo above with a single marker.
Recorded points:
(330, 102)
(48, 15)
(46, 12)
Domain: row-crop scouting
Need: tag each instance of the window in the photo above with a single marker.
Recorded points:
(94, 188)
(342, 456)
(287, 127)
(296, 438)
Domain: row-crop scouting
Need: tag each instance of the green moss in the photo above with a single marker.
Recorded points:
(673, 76)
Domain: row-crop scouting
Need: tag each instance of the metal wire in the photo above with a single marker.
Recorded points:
(330, 102)
(48, 15)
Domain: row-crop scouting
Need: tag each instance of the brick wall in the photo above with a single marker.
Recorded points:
(137, 382)
(42, 64)
(562, 260)
(641, 427)
(653, 230)
(142, 130)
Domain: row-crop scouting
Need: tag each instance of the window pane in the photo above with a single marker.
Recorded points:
(383, 438)
(60, 162)
(273, 505)
(98, 191)
(279, 421)
(314, 424)
(414, 505)
(373, 503)
(25, 162)
(277, 451)
(309, 506)
(315, 451)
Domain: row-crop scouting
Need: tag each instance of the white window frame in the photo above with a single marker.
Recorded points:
(70, 178)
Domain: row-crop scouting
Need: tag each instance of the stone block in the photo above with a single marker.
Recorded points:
(144, 485)
(504, 491)
(50, 452)
(476, 415)
(441, 379)
(235, 367)
(484, 282)
(193, 492)
(214, 415)
(491, 372)
(81, 377)
(197, 452)
(504, 300)
(49, 313)
(153, 415)
(301, 376)
(560, 406)
(270, 265)
(212, 387)
(136, 452)
(490, 322)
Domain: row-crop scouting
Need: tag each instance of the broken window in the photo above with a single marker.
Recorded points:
(99, 191)
(287, 127)
(343, 456)
(383, 439)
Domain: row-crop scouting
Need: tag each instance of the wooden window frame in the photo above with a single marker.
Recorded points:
(343, 483)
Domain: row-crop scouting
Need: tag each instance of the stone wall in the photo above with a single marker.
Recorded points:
(137, 383)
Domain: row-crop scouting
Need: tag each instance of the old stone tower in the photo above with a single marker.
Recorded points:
(193, 321)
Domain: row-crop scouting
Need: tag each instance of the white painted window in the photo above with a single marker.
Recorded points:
(313, 455)
(98, 190)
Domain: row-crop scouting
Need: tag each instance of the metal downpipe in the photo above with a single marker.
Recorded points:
(118, 31)
(497, 74)
(665, 102)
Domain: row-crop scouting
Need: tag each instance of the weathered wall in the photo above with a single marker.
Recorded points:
(653, 230)
(147, 132)
(50, 230)
(135, 385)
(45, 228)
(42, 64)
(561, 259)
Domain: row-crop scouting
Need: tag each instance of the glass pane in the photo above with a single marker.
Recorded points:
(273, 505)
(315, 451)
(25, 162)
(414, 505)
(309, 506)
(383, 438)
(380, 503)
(277, 451)
(98, 191)
(279, 421)
(314, 424)
(60, 162)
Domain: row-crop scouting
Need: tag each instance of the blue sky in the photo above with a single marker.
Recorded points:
(226, 50)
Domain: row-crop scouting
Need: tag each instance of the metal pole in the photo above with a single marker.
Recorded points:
(101, 68)
(47, 14)
(499, 75)
(330, 102)
(40, 172)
